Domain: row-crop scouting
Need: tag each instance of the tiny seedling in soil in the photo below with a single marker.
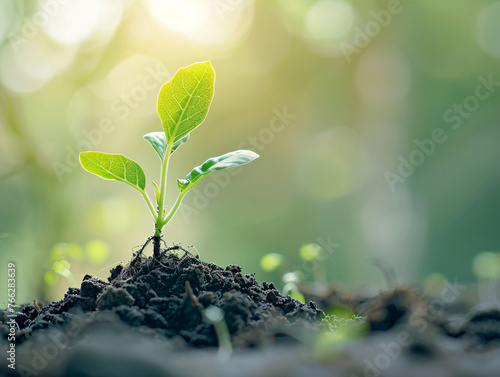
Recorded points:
(183, 104)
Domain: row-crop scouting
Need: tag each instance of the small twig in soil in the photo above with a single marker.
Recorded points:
(190, 294)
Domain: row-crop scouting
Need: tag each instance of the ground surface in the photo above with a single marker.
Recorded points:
(150, 320)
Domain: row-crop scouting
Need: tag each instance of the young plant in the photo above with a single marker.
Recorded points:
(183, 104)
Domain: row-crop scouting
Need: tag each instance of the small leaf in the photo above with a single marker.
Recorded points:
(159, 142)
(114, 166)
(292, 277)
(62, 268)
(183, 102)
(157, 192)
(225, 161)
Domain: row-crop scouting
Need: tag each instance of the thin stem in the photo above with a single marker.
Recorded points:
(174, 209)
(163, 189)
(150, 205)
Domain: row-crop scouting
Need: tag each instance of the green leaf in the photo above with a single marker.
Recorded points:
(114, 166)
(183, 102)
(225, 161)
(157, 192)
(159, 142)
(62, 268)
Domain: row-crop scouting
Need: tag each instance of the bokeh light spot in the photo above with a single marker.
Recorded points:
(97, 251)
(73, 21)
(203, 21)
(329, 19)
(488, 29)
(271, 262)
(486, 265)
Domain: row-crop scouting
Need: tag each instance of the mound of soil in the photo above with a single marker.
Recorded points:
(171, 296)
(149, 319)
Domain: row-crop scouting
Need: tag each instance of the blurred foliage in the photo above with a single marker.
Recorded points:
(84, 74)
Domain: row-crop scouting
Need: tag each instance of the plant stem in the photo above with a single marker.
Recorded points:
(174, 209)
(163, 187)
(156, 247)
(159, 223)
(150, 205)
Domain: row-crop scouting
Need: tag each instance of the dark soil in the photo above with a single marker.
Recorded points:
(171, 296)
(148, 319)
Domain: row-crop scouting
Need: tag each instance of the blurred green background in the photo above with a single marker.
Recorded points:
(359, 80)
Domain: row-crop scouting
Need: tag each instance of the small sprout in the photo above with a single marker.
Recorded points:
(63, 268)
(293, 290)
(215, 316)
(271, 262)
(296, 295)
(183, 103)
(292, 277)
(315, 255)
(310, 251)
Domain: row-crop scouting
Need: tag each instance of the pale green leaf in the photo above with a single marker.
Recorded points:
(157, 192)
(183, 102)
(114, 166)
(62, 268)
(225, 161)
(159, 143)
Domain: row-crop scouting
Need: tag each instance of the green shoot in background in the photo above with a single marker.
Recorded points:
(183, 104)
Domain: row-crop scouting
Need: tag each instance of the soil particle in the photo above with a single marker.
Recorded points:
(91, 287)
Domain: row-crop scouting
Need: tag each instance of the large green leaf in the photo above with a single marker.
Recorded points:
(114, 166)
(159, 142)
(225, 161)
(183, 102)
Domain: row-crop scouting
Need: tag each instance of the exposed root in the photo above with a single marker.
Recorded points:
(142, 264)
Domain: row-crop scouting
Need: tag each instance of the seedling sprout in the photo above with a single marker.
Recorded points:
(183, 103)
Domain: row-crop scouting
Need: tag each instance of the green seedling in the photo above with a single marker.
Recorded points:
(215, 316)
(183, 103)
